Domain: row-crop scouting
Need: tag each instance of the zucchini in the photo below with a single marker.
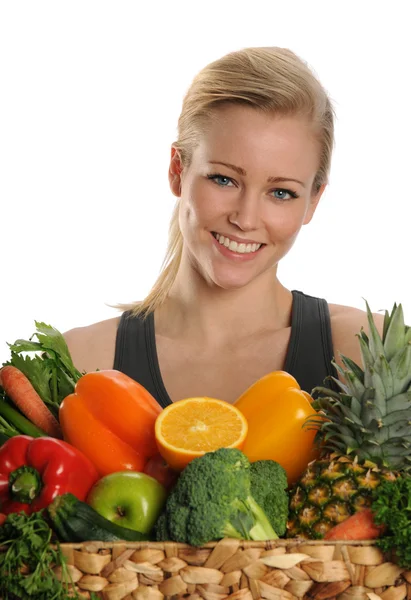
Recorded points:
(76, 521)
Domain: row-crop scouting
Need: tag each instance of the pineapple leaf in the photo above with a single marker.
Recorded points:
(339, 369)
(374, 442)
(366, 357)
(398, 416)
(394, 450)
(375, 342)
(369, 412)
(399, 402)
(356, 406)
(395, 334)
(340, 442)
(325, 392)
(401, 369)
(381, 436)
(379, 392)
(354, 385)
(340, 384)
(407, 337)
(384, 371)
(352, 366)
(348, 414)
(364, 336)
(399, 429)
(313, 424)
(387, 320)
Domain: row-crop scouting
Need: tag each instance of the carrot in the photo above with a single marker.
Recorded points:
(19, 389)
(360, 526)
(3, 518)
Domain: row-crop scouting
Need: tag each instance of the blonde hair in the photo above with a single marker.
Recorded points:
(269, 79)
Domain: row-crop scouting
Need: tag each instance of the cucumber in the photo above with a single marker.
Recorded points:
(76, 521)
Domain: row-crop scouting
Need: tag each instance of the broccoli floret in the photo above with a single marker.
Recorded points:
(211, 521)
(269, 489)
(212, 499)
(176, 518)
(161, 532)
(222, 474)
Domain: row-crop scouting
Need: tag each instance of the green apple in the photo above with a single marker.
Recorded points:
(129, 499)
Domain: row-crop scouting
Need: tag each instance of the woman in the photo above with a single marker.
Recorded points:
(248, 169)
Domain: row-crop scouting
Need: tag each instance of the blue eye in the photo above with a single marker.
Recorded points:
(282, 194)
(220, 180)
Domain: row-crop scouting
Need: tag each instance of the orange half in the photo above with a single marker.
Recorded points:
(189, 428)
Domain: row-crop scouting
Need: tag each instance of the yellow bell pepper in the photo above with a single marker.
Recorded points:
(276, 409)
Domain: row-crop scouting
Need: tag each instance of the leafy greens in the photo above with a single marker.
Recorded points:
(47, 363)
(27, 559)
(392, 508)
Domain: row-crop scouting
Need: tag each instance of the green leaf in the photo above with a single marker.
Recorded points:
(25, 346)
(355, 387)
(399, 402)
(380, 399)
(401, 369)
(26, 542)
(376, 345)
(37, 371)
(395, 335)
(387, 320)
(398, 416)
(366, 356)
(52, 339)
(352, 366)
(384, 371)
(50, 369)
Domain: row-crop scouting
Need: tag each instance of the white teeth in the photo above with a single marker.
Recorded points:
(241, 248)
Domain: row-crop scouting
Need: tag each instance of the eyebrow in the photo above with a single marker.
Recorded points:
(242, 172)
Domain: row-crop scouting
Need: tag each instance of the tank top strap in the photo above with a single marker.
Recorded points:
(310, 350)
(136, 354)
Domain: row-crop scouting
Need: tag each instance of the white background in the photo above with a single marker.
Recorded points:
(90, 94)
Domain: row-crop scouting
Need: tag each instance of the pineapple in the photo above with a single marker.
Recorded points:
(364, 431)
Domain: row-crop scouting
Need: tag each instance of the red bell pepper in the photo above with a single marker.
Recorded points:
(33, 471)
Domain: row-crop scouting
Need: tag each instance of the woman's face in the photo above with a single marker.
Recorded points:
(246, 194)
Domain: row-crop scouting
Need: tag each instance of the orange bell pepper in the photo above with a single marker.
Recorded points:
(276, 408)
(110, 418)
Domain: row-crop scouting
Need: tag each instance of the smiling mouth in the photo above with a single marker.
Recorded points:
(239, 247)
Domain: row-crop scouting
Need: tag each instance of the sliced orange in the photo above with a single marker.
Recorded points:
(189, 428)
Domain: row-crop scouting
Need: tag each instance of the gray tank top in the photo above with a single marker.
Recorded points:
(308, 358)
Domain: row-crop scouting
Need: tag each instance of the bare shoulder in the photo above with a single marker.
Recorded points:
(346, 323)
(92, 347)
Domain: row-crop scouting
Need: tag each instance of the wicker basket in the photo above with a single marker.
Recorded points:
(234, 570)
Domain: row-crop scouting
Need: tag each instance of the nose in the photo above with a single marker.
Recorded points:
(246, 214)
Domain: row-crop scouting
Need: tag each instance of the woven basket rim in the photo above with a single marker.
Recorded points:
(243, 544)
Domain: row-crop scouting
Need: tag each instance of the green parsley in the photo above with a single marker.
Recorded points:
(27, 556)
(392, 508)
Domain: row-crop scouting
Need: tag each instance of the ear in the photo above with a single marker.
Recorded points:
(314, 200)
(174, 172)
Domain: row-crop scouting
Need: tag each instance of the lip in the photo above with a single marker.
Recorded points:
(235, 256)
(237, 239)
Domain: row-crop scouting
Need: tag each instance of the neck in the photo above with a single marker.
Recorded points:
(203, 311)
